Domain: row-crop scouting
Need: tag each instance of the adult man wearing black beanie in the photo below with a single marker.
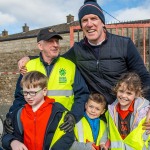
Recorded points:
(103, 57)
(91, 7)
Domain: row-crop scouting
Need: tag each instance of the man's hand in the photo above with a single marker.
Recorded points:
(17, 145)
(21, 64)
(147, 123)
(8, 128)
(69, 123)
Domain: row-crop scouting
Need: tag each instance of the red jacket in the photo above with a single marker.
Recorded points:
(35, 123)
(64, 143)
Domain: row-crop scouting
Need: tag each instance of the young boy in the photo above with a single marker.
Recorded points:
(127, 114)
(37, 123)
(90, 131)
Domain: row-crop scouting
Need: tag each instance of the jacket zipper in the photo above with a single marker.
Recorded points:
(97, 65)
(35, 131)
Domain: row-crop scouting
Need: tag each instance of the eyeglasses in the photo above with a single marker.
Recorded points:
(31, 93)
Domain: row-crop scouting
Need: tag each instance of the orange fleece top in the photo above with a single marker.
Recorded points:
(35, 123)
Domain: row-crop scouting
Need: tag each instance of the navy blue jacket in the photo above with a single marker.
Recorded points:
(80, 90)
(64, 143)
(101, 66)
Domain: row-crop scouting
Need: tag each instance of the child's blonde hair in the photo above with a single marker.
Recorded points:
(98, 98)
(34, 79)
(132, 81)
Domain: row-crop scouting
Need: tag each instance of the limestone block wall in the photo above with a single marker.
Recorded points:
(18, 45)
(29, 44)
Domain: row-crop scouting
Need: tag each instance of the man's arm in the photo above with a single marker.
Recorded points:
(70, 55)
(81, 94)
(135, 63)
(80, 88)
(15, 135)
(19, 100)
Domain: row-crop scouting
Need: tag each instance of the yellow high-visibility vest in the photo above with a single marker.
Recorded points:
(136, 140)
(83, 131)
(58, 133)
(60, 80)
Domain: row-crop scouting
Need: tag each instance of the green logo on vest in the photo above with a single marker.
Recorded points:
(62, 77)
(62, 72)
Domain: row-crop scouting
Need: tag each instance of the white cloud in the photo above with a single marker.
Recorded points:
(135, 13)
(40, 13)
(6, 19)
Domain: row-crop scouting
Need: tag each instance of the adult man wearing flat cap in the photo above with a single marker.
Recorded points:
(65, 85)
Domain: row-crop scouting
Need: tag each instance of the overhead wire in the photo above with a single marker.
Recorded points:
(110, 15)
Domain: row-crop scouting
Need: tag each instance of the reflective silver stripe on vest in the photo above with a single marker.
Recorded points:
(127, 147)
(120, 145)
(145, 137)
(59, 93)
(116, 144)
(80, 131)
(144, 148)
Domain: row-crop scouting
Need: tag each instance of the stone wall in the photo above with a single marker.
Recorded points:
(8, 77)
(28, 44)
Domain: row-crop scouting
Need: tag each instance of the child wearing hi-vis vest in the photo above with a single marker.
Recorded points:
(127, 114)
(91, 131)
(36, 124)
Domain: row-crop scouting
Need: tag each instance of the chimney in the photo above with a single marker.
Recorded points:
(70, 18)
(4, 33)
(25, 28)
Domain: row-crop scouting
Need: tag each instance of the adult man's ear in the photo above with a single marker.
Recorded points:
(40, 46)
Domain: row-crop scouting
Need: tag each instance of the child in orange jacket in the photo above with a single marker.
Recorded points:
(37, 123)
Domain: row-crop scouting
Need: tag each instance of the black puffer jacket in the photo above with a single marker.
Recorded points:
(116, 55)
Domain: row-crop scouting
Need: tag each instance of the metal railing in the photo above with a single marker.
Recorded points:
(138, 32)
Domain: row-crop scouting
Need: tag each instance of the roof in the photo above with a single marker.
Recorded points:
(60, 28)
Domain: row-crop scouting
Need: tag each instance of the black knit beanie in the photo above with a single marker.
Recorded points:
(91, 7)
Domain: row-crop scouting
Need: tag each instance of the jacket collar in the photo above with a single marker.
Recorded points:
(45, 63)
(86, 43)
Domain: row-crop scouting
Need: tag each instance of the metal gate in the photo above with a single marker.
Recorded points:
(138, 32)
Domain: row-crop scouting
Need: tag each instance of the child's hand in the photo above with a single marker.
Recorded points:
(146, 124)
(93, 148)
(103, 147)
(17, 145)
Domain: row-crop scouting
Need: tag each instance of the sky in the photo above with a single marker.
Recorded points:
(42, 13)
